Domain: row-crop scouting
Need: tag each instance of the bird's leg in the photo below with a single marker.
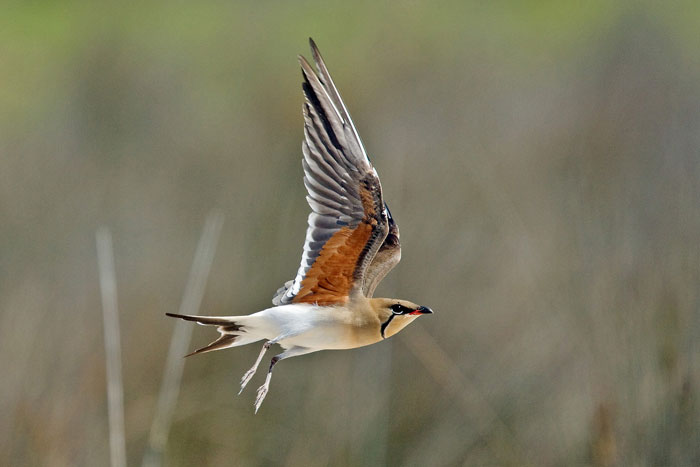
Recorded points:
(249, 374)
(262, 390)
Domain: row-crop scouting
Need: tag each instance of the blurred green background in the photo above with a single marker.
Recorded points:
(542, 160)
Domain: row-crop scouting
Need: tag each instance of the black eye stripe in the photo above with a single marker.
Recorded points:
(399, 309)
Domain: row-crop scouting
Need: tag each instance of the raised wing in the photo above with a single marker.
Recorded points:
(348, 223)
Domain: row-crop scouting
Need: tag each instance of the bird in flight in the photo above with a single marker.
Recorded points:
(351, 244)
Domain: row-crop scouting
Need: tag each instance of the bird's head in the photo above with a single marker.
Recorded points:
(394, 315)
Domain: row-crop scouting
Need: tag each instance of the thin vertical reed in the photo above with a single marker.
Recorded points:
(180, 341)
(115, 388)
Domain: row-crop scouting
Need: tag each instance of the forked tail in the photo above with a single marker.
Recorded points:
(229, 327)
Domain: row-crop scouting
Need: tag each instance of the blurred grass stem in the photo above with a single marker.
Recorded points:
(180, 341)
(115, 388)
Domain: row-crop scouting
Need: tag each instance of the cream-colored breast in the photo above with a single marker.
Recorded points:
(338, 327)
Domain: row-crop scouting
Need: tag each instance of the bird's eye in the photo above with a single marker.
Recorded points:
(399, 309)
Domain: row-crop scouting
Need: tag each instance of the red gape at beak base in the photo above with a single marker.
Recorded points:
(421, 310)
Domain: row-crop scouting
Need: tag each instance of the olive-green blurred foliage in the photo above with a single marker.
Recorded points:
(542, 160)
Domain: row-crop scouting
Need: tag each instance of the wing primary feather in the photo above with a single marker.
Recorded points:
(319, 127)
(331, 117)
(323, 196)
(314, 169)
(329, 166)
(319, 165)
(317, 136)
(319, 178)
(333, 91)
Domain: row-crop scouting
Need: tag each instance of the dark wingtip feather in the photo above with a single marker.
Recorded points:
(318, 59)
(306, 66)
(315, 53)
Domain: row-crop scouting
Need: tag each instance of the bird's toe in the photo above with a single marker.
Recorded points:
(262, 392)
(245, 379)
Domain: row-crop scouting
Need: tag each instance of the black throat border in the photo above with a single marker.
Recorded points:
(385, 324)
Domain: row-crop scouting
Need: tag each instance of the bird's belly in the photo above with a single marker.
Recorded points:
(317, 327)
(331, 337)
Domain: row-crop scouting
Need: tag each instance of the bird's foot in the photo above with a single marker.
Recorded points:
(249, 374)
(262, 392)
(247, 377)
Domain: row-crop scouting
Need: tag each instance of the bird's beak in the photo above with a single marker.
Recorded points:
(423, 310)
